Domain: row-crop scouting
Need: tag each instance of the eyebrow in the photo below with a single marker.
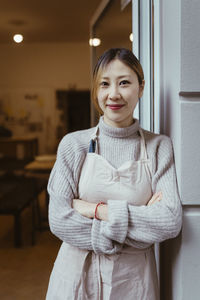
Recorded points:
(119, 77)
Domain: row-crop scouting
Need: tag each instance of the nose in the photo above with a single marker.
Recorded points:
(114, 93)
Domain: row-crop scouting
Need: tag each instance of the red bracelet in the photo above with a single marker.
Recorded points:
(95, 213)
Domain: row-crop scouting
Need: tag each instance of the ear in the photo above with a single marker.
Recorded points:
(141, 89)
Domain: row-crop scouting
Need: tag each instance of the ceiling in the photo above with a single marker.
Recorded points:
(46, 20)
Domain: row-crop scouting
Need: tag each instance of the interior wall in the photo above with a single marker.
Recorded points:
(30, 75)
(56, 65)
(180, 113)
(170, 69)
(170, 64)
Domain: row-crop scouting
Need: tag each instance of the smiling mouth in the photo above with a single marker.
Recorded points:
(115, 106)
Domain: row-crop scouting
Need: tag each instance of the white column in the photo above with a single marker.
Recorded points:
(180, 119)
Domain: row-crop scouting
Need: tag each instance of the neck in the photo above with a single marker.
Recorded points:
(125, 123)
(118, 132)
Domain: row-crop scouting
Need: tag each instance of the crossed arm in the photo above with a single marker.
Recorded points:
(87, 209)
(72, 220)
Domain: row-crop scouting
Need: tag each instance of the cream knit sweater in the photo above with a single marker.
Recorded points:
(137, 226)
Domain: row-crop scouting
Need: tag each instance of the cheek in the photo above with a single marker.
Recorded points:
(100, 97)
(101, 105)
(133, 96)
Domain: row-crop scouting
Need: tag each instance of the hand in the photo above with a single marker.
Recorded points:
(86, 209)
(155, 198)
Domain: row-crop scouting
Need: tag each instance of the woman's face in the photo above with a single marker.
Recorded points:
(118, 93)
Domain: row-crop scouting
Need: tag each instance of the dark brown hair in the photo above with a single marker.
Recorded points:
(124, 55)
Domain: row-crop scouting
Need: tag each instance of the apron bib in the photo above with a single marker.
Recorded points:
(131, 274)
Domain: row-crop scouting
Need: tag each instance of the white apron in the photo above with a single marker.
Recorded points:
(131, 274)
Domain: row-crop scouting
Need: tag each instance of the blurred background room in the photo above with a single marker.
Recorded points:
(44, 94)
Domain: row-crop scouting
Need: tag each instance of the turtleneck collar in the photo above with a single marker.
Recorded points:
(118, 132)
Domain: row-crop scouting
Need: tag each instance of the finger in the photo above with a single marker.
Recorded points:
(155, 198)
(152, 202)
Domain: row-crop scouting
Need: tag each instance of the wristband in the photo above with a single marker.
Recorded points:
(95, 213)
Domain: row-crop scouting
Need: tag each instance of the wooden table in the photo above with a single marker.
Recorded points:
(41, 164)
(40, 169)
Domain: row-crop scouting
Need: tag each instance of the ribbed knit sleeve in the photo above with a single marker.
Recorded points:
(155, 223)
(67, 224)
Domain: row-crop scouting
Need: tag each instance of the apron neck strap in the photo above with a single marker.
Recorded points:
(93, 148)
(143, 146)
(95, 133)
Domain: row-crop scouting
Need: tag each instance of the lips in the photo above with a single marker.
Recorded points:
(115, 106)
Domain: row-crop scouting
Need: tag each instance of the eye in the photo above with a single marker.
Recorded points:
(104, 83)
(124, 82)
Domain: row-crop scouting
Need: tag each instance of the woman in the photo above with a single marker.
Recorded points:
(109, 206)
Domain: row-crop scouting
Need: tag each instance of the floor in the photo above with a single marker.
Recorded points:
(25, 271)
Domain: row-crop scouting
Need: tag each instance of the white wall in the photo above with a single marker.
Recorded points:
(180, 119)
(170, 70)
(40, 69)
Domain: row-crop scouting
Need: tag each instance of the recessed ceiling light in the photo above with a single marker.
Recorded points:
(94, 42)
(18, 38)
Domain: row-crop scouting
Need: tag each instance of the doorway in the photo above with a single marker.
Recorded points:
(74, 108)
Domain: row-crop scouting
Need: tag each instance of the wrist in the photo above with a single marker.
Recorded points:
(92, 210)
(101, 211)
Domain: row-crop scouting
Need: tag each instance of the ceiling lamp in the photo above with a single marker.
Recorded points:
(131, 37)
(18, 38)
(94, 42)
